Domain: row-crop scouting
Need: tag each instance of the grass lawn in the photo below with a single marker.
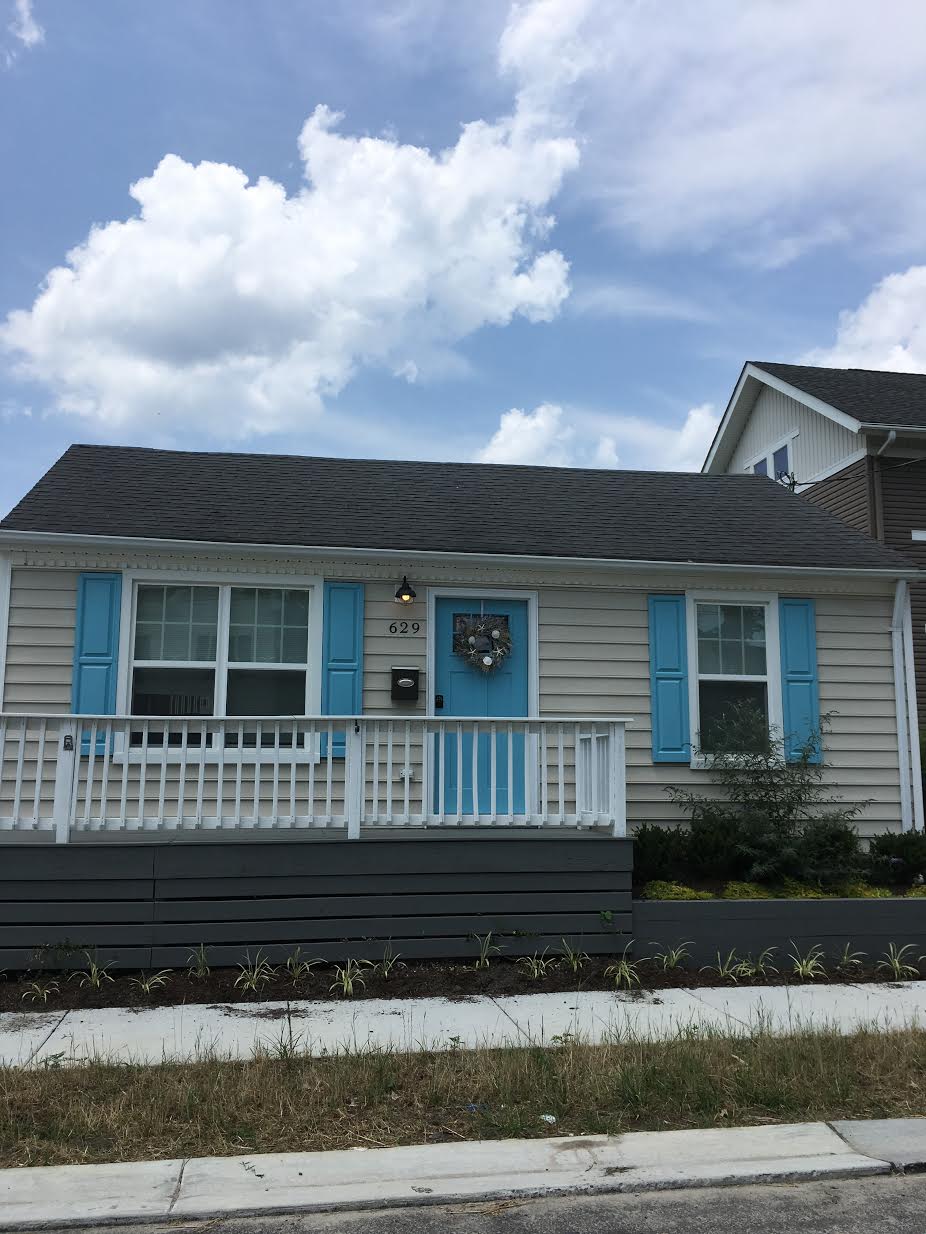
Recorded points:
(106, 1112)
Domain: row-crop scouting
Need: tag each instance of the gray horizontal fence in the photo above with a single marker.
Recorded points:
(749, 926)
(149, 905)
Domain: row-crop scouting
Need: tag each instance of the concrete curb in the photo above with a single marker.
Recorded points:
(62, 1196)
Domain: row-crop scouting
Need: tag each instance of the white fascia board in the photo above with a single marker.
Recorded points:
(906, 430)
(73, 540)
(784, 387)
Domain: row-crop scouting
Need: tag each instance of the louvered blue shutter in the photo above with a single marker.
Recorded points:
(96, 648)
(342, 656)
(668, 655)
(800, 691)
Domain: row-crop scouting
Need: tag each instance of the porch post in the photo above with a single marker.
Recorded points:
(618, 780)
(65, 768)
(353, 788)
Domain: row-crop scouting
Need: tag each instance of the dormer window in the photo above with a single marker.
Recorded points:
(776, 463)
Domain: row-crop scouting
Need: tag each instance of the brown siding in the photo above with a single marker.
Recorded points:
(849, 494)
(903, 508)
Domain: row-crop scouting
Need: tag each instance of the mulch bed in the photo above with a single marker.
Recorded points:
(424, 979)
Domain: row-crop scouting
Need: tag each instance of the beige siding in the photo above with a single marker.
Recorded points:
(40, 646)
(593, 661)
(820, 443)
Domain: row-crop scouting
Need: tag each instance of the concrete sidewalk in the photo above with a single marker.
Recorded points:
(239, 1030)
(441, 1173)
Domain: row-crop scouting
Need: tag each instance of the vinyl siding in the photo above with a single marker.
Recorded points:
(820, 443)
(40, 644)
(849, 495)
(593, 661)
(902, 488)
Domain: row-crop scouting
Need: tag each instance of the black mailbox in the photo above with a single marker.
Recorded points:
(405, 685)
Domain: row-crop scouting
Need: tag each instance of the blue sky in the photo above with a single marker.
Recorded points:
(545, 232)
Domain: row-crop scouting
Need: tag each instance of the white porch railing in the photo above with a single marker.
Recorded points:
(64, 774)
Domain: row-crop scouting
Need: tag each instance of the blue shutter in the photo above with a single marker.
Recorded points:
(668, 655)
(96, 648)
(342, 656)
(800, 692)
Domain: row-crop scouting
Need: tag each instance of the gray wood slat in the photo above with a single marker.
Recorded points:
(61, 913)
(131, 889)
(386, 884)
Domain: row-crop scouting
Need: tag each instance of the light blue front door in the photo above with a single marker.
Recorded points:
(468, 691)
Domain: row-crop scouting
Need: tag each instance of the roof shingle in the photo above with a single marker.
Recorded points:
(439, 507)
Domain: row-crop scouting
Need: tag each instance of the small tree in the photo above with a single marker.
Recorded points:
(774, 818)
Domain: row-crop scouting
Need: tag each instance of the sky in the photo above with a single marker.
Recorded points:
(546, 231)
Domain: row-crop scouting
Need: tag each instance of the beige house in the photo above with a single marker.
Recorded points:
(221, 646)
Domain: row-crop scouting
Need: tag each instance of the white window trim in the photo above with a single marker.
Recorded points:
(769, 600)
(223, 580)
(768, 453)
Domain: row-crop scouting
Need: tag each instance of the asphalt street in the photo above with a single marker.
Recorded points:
(856, 1206)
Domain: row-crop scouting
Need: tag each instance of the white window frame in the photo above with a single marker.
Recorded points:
(769, 453)
(772, 677)
(224, 581)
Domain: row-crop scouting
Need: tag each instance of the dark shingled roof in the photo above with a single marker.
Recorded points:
(897, 400)
(439, 507)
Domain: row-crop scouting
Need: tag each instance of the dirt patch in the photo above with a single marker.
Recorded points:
(425, 979)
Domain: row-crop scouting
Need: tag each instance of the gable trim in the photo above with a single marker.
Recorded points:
(784, 387)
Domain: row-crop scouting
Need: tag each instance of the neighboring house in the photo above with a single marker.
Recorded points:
(209, 613)
(852, 440)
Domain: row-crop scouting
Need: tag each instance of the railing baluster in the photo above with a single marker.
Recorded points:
(275, 799)
(389, 732)
(258, 744)
(104, 780)
(39, 775)
(441, 743)
(201, 777)
(475, 771)
(374, 791)
(181, 781)
(162, 782)
(544, 777)
(292, 774)
(239, 759)
(329, 761)
(91, 764)
(510, 769)
(219, 739)
(560, 773)
(407, 776)
(493, 771)
(18, 782)
(124, 785)
(593, 773)
(312, 735)
(143, 773)
(459, 817)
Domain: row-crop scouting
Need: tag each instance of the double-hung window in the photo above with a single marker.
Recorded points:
(207, 650)
(733, 648)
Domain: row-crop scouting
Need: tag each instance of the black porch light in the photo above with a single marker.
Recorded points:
(405, 592)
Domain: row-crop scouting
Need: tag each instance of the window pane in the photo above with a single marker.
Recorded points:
(269, 608)
(718, 698)
(754, 660)
(296, 608)
(754, 624)
(202, 642)
(268, 645)
(780, 463)
(761, 468)
(731, 657)
(173, 692)
(265, 692)
(243, 602)
(295, 646)
(731, 621)
(150, 606)
(206, 604)
(708, 655)
(709, 620)
(177, 602)
(148, 641)
(241, 644)
(176, 642)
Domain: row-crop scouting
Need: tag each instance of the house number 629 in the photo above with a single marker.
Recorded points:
(404, 627)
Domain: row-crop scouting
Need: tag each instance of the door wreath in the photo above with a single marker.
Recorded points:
(482, 639)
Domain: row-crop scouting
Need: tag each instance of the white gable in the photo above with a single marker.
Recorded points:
(817, 443)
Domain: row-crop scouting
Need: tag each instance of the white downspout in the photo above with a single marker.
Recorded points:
(913, 724)
(902, 706)
(887, 443)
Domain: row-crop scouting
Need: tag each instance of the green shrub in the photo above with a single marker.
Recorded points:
(897, 858)
(917, 892)
(660, 889)
(863, 891)
(735, 890)
(792, 889)
(715, 849)
(660, 852)
(781, 821)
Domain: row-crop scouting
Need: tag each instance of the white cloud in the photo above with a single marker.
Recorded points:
(228, 306)
(554, 436)
(631, 301)
(886, 331)
(24, 29)
(768, 127)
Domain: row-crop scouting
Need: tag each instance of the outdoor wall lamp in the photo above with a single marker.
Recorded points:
(405, 592)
